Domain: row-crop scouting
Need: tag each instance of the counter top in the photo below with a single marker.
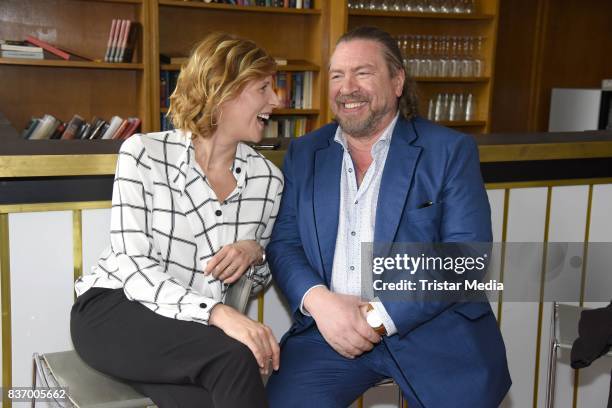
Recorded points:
(48, 158)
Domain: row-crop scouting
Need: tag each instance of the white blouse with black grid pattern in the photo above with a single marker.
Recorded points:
(166, 223)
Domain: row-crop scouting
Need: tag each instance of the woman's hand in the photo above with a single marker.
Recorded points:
(256, 336)
(233, 260)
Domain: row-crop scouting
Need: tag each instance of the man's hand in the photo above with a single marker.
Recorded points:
(340, 319)
(256, 336)
(233, 260)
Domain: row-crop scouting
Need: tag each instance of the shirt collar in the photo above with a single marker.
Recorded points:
(384, 139)
(186, 161)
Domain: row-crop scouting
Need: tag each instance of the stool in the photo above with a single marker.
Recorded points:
(88, 388)
(387, 382)
(564, 330)
(85, 387)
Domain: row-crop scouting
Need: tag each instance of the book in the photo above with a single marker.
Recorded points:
(109, 43)
(72, 128)
(77, 54)
(45, 129)
(97, 130)
(281, 88)
(113, 125)
(130, 129)
(120, 130)
(30, 127)
(116, 40)
(83, 131)
(288, 99)
(308, 82)
(58, 131)
(130, 45)
(123, 42)
(48, 47)
(14, 42)
(21, 54)
(298, 88)
(21, 48)
(120, 29)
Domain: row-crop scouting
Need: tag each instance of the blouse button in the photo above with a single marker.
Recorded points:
(218, 213)
(203, 305)
(238, 170)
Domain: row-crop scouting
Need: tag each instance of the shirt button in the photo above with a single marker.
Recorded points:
(218, 213)
(356, 202)
(352, 268)
(203, 305)
(238, 170)
(353, 233)
(350, 170)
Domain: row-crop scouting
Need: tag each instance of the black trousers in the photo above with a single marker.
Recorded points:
(173, 362)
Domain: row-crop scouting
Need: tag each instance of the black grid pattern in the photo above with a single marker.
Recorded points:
(166, 223)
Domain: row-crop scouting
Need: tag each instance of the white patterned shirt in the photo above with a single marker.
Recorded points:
(357, 220)
(166, 223)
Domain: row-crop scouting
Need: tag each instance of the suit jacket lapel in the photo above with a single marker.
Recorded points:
(396, 180)
(326, 201)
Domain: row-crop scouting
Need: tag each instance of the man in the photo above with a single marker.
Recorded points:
(382, 175)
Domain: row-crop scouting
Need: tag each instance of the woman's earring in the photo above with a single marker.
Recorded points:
(212, 114)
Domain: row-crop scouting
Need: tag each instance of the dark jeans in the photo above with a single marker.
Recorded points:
(175, 363)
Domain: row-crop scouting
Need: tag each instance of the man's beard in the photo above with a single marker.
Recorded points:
(361, 127)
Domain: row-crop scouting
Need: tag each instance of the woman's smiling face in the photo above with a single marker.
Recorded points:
(244, 117)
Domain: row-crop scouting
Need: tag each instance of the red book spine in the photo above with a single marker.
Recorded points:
(48, 47)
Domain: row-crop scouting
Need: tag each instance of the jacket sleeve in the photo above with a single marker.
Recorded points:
(136, 261)
(466, 218)
(285, 252)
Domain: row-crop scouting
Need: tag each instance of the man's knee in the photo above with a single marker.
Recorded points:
(282, 394)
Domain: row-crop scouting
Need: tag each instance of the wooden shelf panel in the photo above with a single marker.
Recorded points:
(70, 64)
(298, 65)
(283, 112)
(117, 1)
(463, 123)
(295, 65)
(452, 79)
(410, 14)
(295, 112)
(226, 7)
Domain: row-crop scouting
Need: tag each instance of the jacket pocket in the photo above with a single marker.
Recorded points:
(473, 310)
(428, 213)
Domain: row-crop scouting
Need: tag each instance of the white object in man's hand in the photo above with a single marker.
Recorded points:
(341, 321)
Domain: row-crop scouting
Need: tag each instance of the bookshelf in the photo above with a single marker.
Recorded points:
(304, 37)
(181, 24)
(481, 23)
(32, 88)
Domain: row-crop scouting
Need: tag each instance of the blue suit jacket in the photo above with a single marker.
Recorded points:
(452, 354)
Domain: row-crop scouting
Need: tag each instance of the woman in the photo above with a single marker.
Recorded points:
(192, 210)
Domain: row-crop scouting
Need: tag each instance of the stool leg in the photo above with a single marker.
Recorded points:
(360, 402)
(552, 371)
(33, 379)
(401, 402)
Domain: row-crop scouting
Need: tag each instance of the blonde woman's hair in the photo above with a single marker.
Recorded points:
(217, 71)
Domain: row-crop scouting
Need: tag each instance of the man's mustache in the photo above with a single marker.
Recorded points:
(352, 98)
